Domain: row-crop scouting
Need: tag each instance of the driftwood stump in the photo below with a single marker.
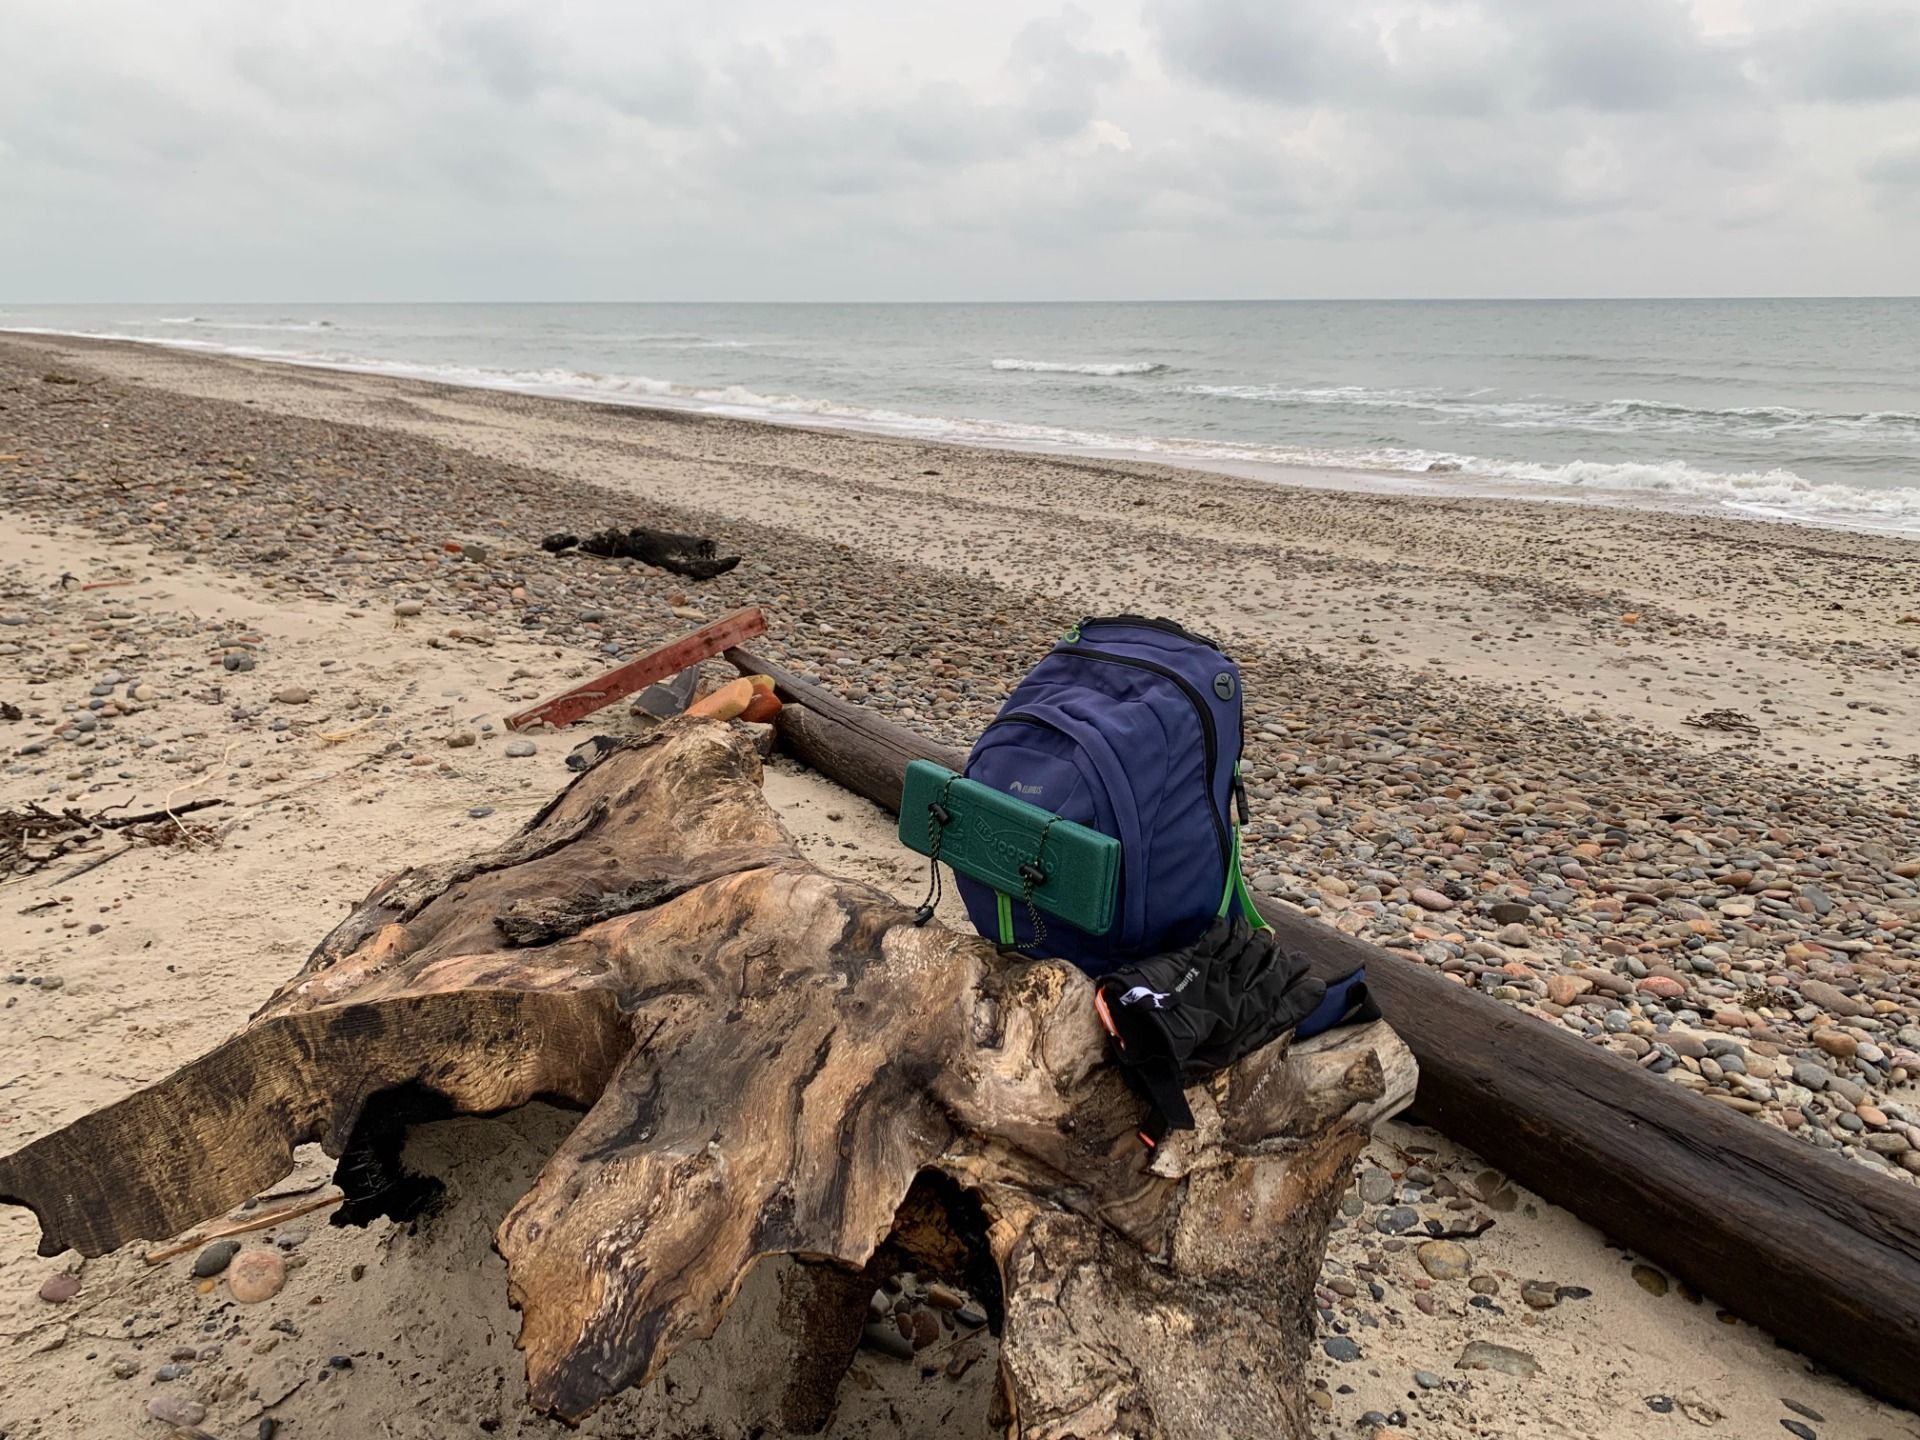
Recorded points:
(772, 1061)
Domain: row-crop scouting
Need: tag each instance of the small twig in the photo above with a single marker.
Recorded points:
(93, 864)
(334, 737)
(173, 813)
(107, 584)
(241, 1227)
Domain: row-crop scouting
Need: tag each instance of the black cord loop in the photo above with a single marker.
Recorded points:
(938, 818)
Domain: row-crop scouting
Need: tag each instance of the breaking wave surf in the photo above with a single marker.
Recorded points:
(1106, 368)
(1776, 492)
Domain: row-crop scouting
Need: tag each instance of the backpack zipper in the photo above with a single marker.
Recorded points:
(1207, 732)
(1145, 622)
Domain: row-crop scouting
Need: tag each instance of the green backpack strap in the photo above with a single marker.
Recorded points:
(1237, 888)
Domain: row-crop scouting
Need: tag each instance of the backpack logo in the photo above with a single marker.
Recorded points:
(1223, 685)
(1144, 995)
(1017, 788)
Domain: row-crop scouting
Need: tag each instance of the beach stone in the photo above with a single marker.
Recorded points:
(1687, 1043)
(926, 1328)
(1396, 1221)
(238, 661)
(520, 749)
(409, 607)
(1653, 1281)
(1832, 999)
(1445, 1259)
(293, 695)
(1430, 899)
(1484, 1355)
(1511, 912)
(1484, 1285)
(944, 1297)
(255, 1275)
(972, 1315)
(885, 1337)
(1803, 1431)
(1376, 1186)
(176, 1410)
(1813, 1077)
(1426, 1380)
(58, 1289)
(461, 739)
(214, 1259)
(1514, 935)
(1665, 986)
(1837, 1043)
(1342, 1348)
(1539, 1294)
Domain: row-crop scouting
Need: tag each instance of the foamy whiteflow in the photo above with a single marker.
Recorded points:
(1776, 493)
(1097, 367)
(1761, 422)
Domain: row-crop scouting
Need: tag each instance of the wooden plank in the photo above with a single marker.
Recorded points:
(1820, 1251)
(649, 669)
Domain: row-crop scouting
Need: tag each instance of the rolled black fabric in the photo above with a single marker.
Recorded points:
(1177, 1017)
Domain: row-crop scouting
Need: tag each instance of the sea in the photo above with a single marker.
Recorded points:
(1795, 409)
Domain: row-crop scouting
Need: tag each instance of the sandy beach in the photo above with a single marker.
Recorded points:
(1651, 777)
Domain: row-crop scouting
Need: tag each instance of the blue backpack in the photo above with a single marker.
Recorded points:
(1132, 727)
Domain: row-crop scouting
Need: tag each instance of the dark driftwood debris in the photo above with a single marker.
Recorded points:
(772, 1061)
(68, 829)
(1819, 1251)
(695, 556)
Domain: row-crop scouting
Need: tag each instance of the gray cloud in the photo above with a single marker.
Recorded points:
(1453, 56)
(1849, 53)
(470, 148)
(1896, 168)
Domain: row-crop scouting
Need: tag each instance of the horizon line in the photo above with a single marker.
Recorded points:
(1112, 300)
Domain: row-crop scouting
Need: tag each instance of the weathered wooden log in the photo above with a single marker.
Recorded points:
(1819, 1251)
(772, 1061)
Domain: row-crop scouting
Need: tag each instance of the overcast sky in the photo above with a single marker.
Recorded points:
(875, 149)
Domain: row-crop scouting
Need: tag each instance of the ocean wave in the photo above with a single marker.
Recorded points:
(286, 323)
(1778, 493)
(1104, 368)
(686, 340)
(1542, 413)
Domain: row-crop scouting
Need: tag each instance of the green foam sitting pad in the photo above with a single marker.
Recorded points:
(991, 837)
